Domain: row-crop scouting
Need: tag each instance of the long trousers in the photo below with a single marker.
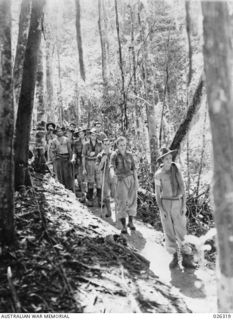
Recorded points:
(174, 224)
(64, 172)
(93, 175)
(80, 176)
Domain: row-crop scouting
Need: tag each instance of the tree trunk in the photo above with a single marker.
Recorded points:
(79, 39)
(123, 93)
(60, 100)
(26, 100)
(192, 110)
(190, 53)
(39, 162)
(134, 66)
(218, 68)
(6, 129)
(150, 107)
(103, 47)
(24, 22)
(50, 110)
(151, 116)
(166, 79)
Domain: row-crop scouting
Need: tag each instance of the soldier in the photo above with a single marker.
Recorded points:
(72, 127)
(100, 134)
(89, 154)
(77, 158)
(87, 134)
(170, 196)
(103, 161)
(50, 127)
(123, 172)
(62, 153)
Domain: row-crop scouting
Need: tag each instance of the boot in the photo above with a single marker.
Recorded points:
(108, 208)
(124, 228)
(89, 200)
(187, 261)
(174, 262)
(130, 224)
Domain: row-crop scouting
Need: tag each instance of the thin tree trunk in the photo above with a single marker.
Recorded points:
(161, 131)
(79, 39)
(103, 48)
(60, 100)
(202, 154)
(123, 93)
(192, 110)
(24, 22)
(26, 100)
(50, 110)
(190, 53)
(77, 104)
(218, 55)
(6, 129)
(188, 167)
(150, 107)
(137, 110)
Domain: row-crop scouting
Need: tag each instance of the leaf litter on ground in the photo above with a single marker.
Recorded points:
(60, 263)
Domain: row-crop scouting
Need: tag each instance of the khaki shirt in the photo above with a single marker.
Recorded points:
(88, 147)
(163, 182)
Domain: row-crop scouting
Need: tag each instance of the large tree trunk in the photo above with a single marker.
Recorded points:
(79, 39)
(218, 55)
(60, 100)
(50, 110)
(52, 28)
(123, 93)
(39, 163)
(192, 110)
(24, 22)
(26, 100)
(6, 129)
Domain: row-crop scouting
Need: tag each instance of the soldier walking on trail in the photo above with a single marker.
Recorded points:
(100, 135)
(50, 127)
(77, 158)
(62, 153)
(170, 196)
(102, 162)
(90, 151)
(123, 172)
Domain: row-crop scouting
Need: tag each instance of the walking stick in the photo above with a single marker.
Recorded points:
(102, 190)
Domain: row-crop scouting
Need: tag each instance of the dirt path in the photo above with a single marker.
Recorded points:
(196, 287)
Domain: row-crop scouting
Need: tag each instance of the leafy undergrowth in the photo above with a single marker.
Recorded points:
(68, 260)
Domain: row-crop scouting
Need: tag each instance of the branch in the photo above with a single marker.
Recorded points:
(192, 109)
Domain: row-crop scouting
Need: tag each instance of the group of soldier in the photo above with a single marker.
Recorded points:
(104, 170)
(85, 157)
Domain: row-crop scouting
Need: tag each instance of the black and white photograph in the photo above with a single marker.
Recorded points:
(116, 158)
